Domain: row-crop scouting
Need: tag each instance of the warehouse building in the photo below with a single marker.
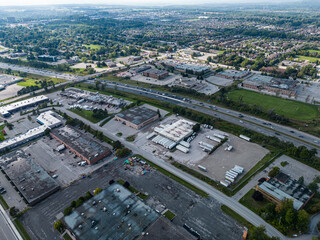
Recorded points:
(276, 85)
(9, 109)
(6, 80)
(47, 120)
(137, 117)
(187, 68)
(114, 213)
(31, 180)
(155, 73)
(283, 187)
(81, 144)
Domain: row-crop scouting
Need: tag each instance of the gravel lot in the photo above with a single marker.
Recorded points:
(219, 81)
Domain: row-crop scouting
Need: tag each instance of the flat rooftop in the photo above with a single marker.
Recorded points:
(234, 73)
(33, 182)
(114, 213)
(155, 71)
(137, 115)
(177, 131)
(82, 143)
(9, 79)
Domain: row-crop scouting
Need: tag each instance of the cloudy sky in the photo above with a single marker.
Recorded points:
(129, 2)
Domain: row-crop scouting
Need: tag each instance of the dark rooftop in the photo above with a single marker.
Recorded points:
(155, 71)
(82, 143)
(115, 213)
(32, 181)
(137, 115)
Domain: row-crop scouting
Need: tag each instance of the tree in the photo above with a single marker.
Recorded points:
(196, 127)
(290, 217)
(303, 221)
(122, 152)
(313, 187)
(58, 225)
(257, 196)
(97, 190)
(301, 180)
(67, 211)
(274, 172)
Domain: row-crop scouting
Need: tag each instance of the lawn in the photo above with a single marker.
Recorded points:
(170, 215)
(289, 108)
(27, 82)
(252, 204)
(21, 229)
(87, 115)
(93, 46)
(1, 133)
(312, 51)
(311, 59)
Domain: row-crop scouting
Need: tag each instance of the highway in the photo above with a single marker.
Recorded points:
(284, 133)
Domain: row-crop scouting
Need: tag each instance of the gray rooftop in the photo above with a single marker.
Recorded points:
(234, 73)
(137, 115)
(82, 143)
(155, 71)
(33, 181)
(116, 214)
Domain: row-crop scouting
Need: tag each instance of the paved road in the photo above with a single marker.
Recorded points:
(7, 228)
(230, 202)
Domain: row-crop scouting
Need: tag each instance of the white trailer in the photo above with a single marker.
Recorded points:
(151, 135)
(230, 179)
(218, 140)
(202, 168)
(224, 183)
(182, 148)
(234, 172)
(219, 136)
(245, 137)
(185, 144)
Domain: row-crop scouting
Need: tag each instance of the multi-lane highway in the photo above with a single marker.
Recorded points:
(7, 229)
(262, 126)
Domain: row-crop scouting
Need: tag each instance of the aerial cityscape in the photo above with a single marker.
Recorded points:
(160, 120)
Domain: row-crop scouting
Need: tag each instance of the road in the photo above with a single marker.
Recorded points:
(284, 133)
(7, 228)
(228, 201)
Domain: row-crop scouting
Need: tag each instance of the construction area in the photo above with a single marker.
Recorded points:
(31, 180)
(114, 213)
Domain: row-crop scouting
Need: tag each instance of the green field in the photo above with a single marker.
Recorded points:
(312, 51)
(93, 46)
(252, 204)
(28, 82)
(289, 108)
(1, 133)
(310, 59)
(87, 115)
(170, 215)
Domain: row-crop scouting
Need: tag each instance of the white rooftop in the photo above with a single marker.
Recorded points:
(178, 130)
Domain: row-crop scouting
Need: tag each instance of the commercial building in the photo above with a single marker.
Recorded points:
(9, 109)
(81, 144)
(271, 84)
(155, 73)
(7, 80)
(31, 180)
(177, 131)
(140, 69)
(114, 213)
(283, 187)
(137, 117)
(47, 58)
(47, 119)
(187, 68)
(233, 74)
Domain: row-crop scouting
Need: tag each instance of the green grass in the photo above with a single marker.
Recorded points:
(93, 46)
(291, 109)
(312, 51)
(28, 82)
(130, 138)
(4, 203)
(170, 215)
(220, 52)
(142, 195)
(175, 178)
(21, 229)
(310, 59)
(67, 236)
(252, 204)
(236, 216)
(130, 188)
(2, 136)
(87, 115)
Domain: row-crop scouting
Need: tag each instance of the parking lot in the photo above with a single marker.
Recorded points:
(219, 81)
(21, 124)
(64, 164)
(168, 80)
(10, 91)
(202, 214)
(209, 89)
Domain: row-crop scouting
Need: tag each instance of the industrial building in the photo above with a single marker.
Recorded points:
(140, 69)
(47, 119)
(31, 180)
(187, 68)
(94, 97)
(155, 73)
(81, 144)
(271, 84)
(137, 117)
(284, 187)
(114, 213)
(6, 80)
(233, 74)
(47, 58)
(9, 109)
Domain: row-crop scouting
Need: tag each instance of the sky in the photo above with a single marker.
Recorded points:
(127, 2)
